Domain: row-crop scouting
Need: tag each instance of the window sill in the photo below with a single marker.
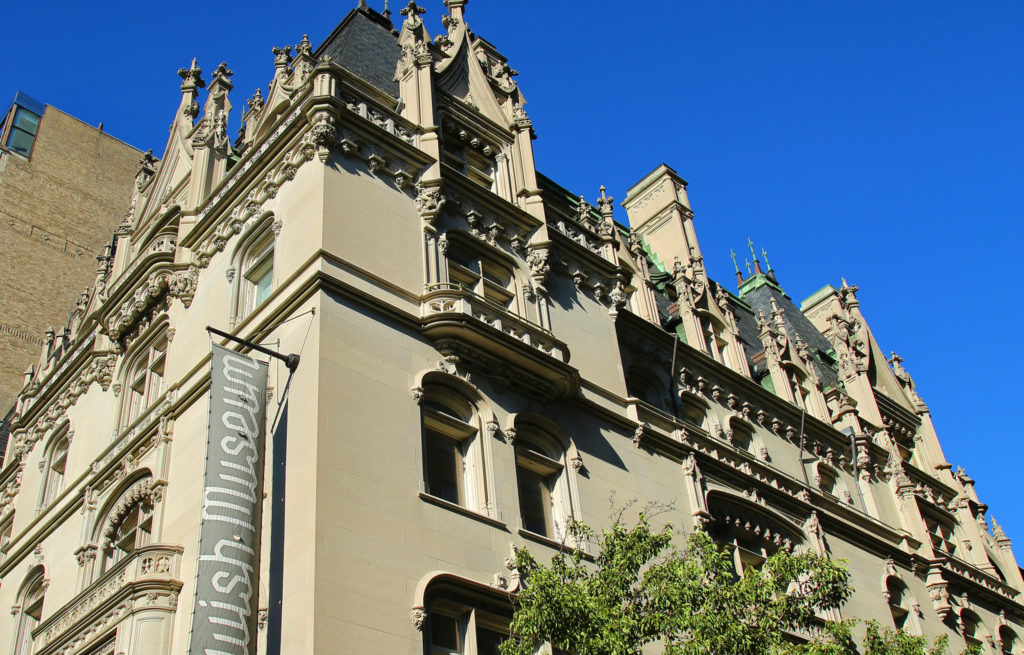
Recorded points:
(459, 509)
(552, 543)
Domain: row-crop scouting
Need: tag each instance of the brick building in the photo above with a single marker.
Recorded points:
(64, 185)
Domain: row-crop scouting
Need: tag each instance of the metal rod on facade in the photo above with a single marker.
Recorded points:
(291, 361)
(672, 377)
(803, 464)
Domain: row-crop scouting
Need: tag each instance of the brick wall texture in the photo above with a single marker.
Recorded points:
(58, 210)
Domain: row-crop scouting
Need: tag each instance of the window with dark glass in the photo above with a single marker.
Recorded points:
(448, 461)
(22, 134)
(537, 475)
(444, 467)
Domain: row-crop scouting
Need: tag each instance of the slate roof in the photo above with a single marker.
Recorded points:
(760, 300)
(366, 44)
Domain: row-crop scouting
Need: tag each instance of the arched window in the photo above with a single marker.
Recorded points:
(1008, 643)
(464, 620)
(753, 534)
(30, 611)
(974, 633)
(545, 504)
(128, 525)
(257, 274)
(144, 381)
(54, 463)
(448, 457)
(901, 606)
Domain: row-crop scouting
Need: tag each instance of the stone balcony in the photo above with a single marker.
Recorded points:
(146, 581)
(487, 337)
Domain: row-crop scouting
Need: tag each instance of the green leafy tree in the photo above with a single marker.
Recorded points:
(641, 589)
(886, 641)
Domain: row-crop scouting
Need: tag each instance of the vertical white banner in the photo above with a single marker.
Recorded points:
(227, 584)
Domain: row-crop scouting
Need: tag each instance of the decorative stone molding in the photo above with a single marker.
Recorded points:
(148, 578)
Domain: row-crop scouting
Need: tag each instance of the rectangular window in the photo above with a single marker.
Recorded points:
(488, 641)
(535, 501)
(22, 134)
(445, 637)
(444, 468)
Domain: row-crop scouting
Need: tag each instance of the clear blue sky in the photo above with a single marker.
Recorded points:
(878, 141)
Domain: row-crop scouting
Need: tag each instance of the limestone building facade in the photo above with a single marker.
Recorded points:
(485, 355)
(64, 185)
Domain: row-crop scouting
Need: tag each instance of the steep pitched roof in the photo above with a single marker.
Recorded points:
(760, 300)
(366, 44)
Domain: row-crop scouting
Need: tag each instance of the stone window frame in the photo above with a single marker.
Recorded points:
(466, 606)
(713, 327)
(481, 281)
(543, 449)
(829, 481)
(28, 611)
(254, 257)
(6, 532)
(972, 629)
(892, 580)
(452, 409)
(141, 486)
(1008, 641)
(49, 487)
(146, 366)
(730, 516)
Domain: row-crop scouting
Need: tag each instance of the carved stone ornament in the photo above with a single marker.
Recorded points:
(429, 201)
(537, 260)
(418, 617)
(322, 134)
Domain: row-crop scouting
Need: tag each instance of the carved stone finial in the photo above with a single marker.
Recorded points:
(222, 73)
(412, 12)
(304, 47)
(192, 77)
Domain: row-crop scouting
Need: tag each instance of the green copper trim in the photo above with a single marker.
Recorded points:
(757, 281)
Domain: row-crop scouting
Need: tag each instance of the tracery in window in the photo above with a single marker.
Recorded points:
(128, 525)
(29, 612)
(54, 465)
(144, 381)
